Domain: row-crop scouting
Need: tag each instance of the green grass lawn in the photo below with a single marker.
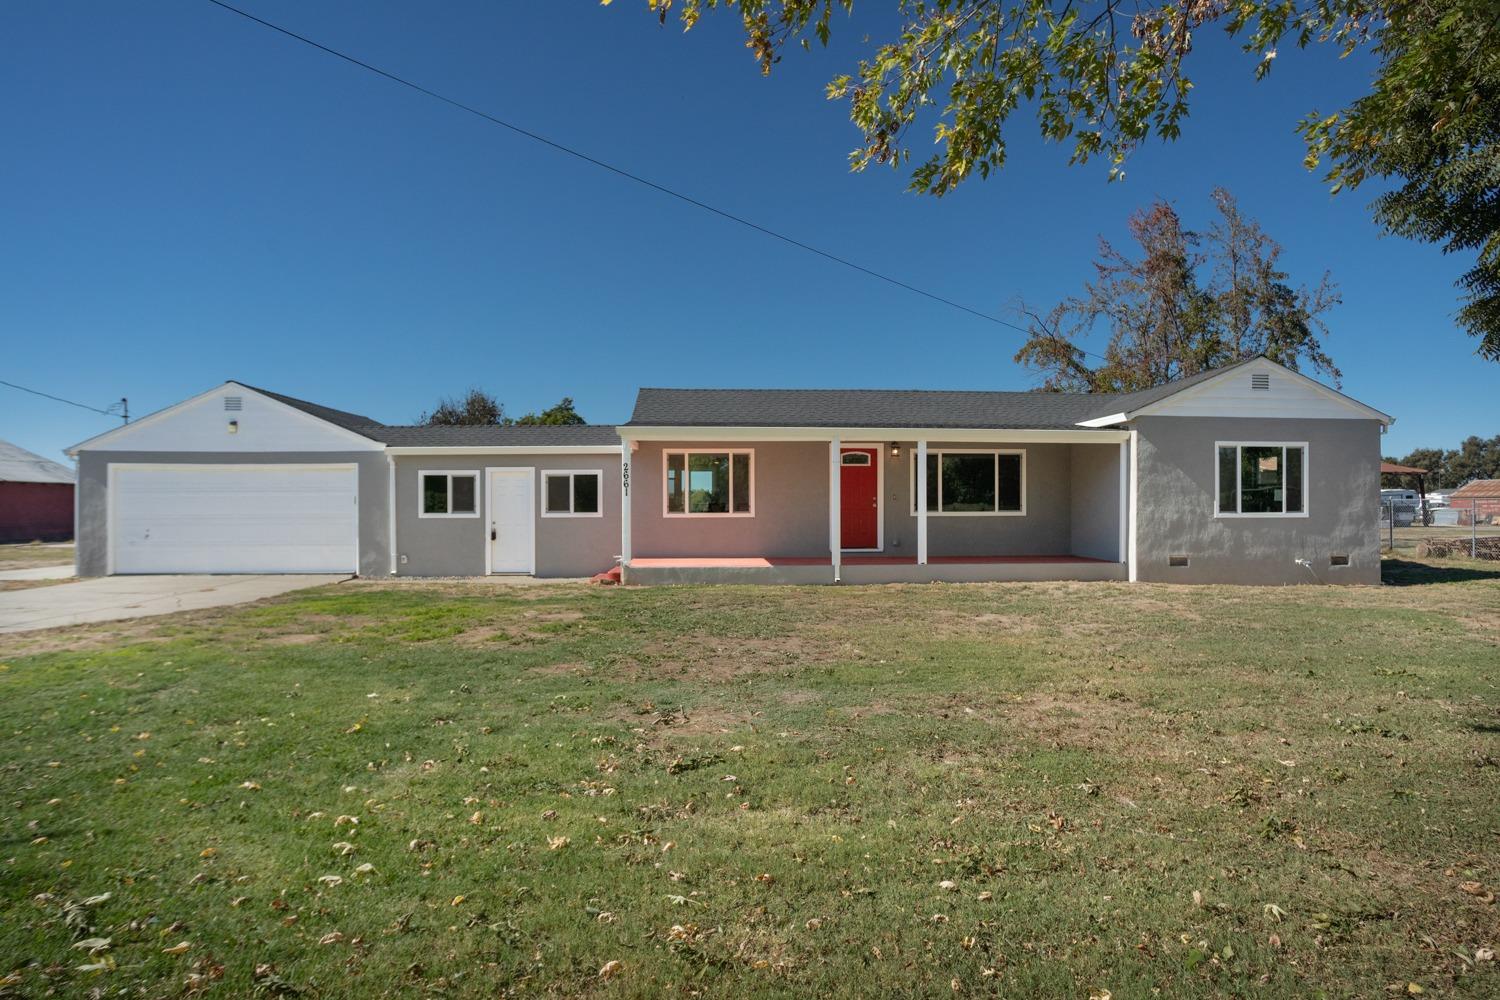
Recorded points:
(1053, 790)
(27, 555)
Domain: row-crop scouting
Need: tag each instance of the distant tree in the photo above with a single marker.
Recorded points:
(1475, 458)
(1190, 302)
(562, 413)
(479, 407)
(475, 407)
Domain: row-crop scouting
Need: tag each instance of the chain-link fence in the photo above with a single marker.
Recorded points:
(1418, 528)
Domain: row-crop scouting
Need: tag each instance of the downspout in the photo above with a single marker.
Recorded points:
(390, 462)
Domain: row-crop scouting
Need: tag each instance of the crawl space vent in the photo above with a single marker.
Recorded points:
(1261, 382)
(1338, 560)
(1177, 560)
(234, 403)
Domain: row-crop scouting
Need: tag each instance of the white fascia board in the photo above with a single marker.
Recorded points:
(365, 443)
(946, 434)
(556, 449)
(1113, 418)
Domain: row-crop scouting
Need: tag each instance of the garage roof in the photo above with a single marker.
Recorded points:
(17, 465)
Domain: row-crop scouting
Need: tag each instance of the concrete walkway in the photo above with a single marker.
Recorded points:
(37, 573)
(112, 598)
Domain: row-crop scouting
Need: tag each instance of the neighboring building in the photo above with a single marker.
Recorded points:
(1247, 474)
(36, 497)
(1477, 500)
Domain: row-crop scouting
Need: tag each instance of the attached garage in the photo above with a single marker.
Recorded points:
(242, 518)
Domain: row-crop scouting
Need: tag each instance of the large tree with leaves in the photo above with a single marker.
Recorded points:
(1187, 302)
(1106, 75)
(477, 407)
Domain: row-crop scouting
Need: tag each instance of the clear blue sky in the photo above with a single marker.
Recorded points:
(186, 197)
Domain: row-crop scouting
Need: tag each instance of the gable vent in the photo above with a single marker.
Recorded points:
(234, 403)
(1261, 382)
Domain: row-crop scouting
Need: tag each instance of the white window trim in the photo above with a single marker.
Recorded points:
(1235, 514)
(685, 452)
(939, 453)
(570, 473)
(450, 473)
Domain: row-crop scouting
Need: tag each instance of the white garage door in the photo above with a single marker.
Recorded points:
(234, 519)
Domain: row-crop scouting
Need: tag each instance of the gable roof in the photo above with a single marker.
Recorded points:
(17, 465)
(909, 408)
(1478, 489)
(355, 422)
(859, 408)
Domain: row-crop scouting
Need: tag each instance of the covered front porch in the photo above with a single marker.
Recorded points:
(870, 507)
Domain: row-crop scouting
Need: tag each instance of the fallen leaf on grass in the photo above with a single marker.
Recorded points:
(558, 843)
(344, 847)
(332, 937)
(364, 869)
(92, 945)
(611, 969)
(250, 785)
(331, 880)
(177, 949)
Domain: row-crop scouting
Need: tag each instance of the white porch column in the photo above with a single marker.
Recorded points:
(1133, 505)
(835, 521)
(921, 503)
(1124, 502)
(626, 454)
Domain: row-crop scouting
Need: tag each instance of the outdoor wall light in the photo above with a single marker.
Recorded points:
(895, 450)
(234, 426)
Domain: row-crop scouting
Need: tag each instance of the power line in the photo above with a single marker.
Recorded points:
(112, 412)
(620, 171)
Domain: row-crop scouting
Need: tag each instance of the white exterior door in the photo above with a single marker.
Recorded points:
(234, 519)
(512, 520)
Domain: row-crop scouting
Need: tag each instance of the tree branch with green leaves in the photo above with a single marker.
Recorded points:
(1105, 76)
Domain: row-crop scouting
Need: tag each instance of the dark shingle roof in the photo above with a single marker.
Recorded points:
(355, 422)
(496, 436)
(890, 407)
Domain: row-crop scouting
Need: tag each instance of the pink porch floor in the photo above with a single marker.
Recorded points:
(767, 562)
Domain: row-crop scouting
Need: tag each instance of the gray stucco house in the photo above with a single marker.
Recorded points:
(1248, 474)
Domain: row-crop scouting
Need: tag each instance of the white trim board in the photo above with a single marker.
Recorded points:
(541, 451)
(997, 436)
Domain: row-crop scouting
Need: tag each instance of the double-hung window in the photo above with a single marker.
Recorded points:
(1260, 479)
(571, 494)
(973, 482)
(449, 494)
(710, 483)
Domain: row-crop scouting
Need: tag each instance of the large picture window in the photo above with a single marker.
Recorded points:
(708, 483)
(449, 494)
(973, 482)
(571, 494)
(1258, 479)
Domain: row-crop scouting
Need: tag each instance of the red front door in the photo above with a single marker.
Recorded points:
(859, 493)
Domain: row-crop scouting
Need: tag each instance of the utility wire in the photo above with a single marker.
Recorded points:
(620, 171)
(48, 395)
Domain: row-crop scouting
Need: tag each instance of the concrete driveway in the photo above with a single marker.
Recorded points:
(114, 597)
